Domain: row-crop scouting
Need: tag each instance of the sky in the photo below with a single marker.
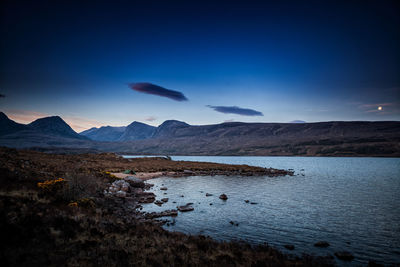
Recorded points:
(98, 63)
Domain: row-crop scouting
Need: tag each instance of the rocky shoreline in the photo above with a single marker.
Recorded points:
(70, 210)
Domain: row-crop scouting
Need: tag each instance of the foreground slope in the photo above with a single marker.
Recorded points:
(70, 222)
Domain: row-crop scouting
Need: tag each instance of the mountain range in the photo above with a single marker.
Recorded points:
(336, 138)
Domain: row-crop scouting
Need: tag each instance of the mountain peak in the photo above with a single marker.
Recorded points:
(137, 131)
(3, 116)
(169, 128)
(173, 123)
(54, 125)
(8, 126)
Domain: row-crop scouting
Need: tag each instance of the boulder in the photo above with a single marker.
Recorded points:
(146, 197)
(321, 244)
(172, 213)
(187, 207)
(163, 188)
(208, 195)
(158, 202)
(247, 201)
(134, 181)
(223, 197)
(164, 199)
(344, 255)
(120, 194)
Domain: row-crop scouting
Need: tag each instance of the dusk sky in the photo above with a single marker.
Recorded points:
(100, 63)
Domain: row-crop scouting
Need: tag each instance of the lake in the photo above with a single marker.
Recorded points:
(352, 203)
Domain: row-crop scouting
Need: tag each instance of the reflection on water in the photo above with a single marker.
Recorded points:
(353, 203)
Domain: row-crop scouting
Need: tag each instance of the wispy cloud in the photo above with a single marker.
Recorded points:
(153, 89)
(80, 124)
(151, 118)
(236, 110)
(376, 105)
(25, 116)
(380, 108)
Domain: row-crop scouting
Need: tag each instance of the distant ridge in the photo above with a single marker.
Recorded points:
(333, 138)
(105, 133)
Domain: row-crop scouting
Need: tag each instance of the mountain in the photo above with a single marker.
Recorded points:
(105, 133)
(8, 126)
(334, 138)
(45, 132)
(170, 128)
(137, 131)
(297, 121)
(54, 126)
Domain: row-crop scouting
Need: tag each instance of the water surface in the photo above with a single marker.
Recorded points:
(353, 203)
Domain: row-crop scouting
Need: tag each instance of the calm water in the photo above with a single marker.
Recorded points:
(353, 203)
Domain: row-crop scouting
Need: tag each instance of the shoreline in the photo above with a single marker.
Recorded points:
(46, 220)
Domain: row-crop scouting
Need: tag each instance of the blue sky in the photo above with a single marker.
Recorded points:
(292, 60)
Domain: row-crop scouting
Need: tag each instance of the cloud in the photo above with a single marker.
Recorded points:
(80, 124)
(236, 110)
(2, 96)
(297, 121)
(25, 116)
(151, 118)
(387, 108)
(365, 106)
(153, 89)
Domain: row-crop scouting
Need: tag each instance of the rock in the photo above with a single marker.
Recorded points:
(158, 202)
(289, 247)
(173, 201)
(163, 188)
(188, 172)
(210, 204)
(187, 207)
(247, 201)
(321, 244)
(134, 181)
(120, 194)
(117, 187)
(223, 197)
(344, 255)
(146, 197)
(234, 223)
(182, 196)
(253, 203)
(164, 199)
(208, 195)
(172, 213)
(374, 264)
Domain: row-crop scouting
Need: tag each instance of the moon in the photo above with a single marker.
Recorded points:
(379, 108)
